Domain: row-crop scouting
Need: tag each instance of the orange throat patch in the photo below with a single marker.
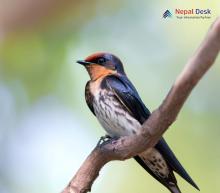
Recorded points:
(96, 71)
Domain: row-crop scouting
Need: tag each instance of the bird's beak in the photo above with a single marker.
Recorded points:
(83, 62)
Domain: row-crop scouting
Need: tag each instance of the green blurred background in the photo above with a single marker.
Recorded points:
(46, 129)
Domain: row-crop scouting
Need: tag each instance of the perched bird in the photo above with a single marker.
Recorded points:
(115, 102)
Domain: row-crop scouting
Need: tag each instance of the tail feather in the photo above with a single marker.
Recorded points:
(169, 182)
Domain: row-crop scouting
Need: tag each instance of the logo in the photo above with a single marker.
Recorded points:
(167, 14)
(193, 11)
(188, 13)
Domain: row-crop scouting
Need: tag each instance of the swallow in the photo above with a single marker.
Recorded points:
(115, 102)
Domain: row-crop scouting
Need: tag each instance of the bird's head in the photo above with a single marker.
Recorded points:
(102, 64)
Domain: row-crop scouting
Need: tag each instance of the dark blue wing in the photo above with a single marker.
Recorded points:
(127, 94)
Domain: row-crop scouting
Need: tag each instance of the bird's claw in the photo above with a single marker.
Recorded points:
(103, 140)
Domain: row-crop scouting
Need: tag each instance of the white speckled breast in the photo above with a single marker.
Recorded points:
(112, 116)
(117, 121)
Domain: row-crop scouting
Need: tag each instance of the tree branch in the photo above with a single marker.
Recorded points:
(159, 121)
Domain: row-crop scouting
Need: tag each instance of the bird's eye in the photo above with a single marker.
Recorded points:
(101, 60)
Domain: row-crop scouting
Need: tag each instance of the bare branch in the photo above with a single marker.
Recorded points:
(159, 121)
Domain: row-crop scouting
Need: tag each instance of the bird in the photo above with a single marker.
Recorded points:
(115, 102)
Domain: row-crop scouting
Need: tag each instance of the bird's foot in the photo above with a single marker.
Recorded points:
(103, 140)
